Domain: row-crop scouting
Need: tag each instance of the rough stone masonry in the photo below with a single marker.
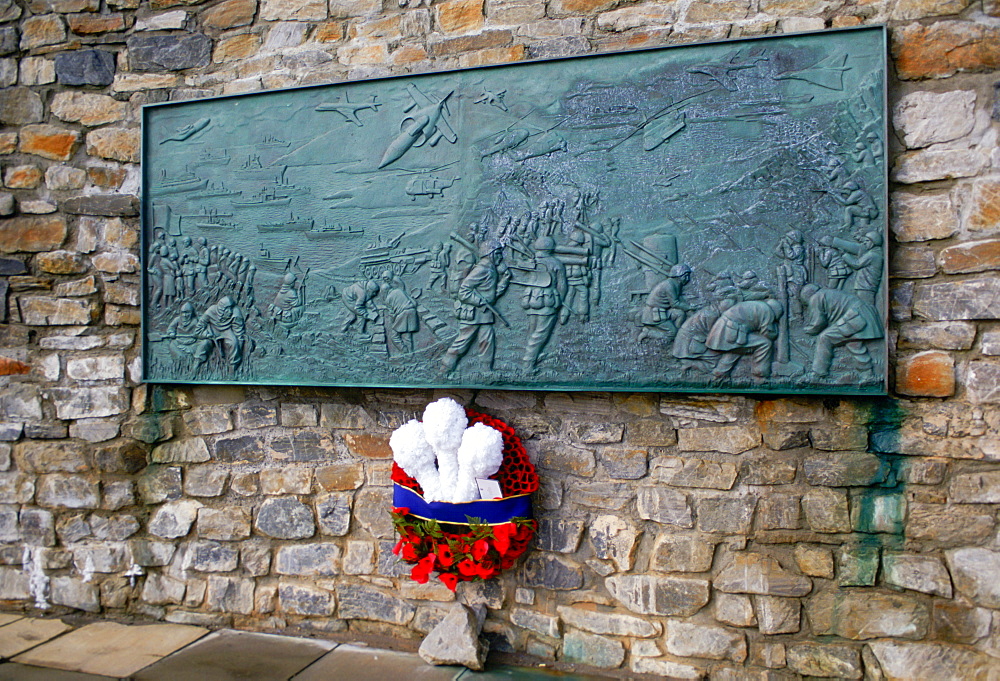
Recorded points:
(727, 537)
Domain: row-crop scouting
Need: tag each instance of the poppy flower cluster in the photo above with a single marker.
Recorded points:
(459, 553)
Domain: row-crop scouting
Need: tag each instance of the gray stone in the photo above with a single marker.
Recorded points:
(652, 433)
(72, 529)
(649, 595)
(10, 266)
(94, 430)
(169, 52)
(455, 640)
(11, 432)
(594, 433)
(862, 614)
(552, 572)
(17, 487)
(300, 599)
(104, 558)
(926, 118)
(305, 445)
(208, 420)
(686, 472)
(160, 589)
(46, 430)
(857, 565)
(974, 572)
(975, 488)
(285, 518)
(159, 483)
(756, 573)
(726, 515)
(256, 415)
(107, 205)
(845, 469)
(560, 536)
(611, 623)
(9, 39)
(205, 481)
(174, 519)
(776, 615)
(983, 382)
(734, 609)
(14, 584)
(778, 512)
(74, 593)
(388, 564)
(210, 556)
(958, 300)
(189, 450)
(597, 651)
(814, 659)
(51, 457)
(949, 524)
(614, 539)
(536, 622)
(37, 527)
(317, 560)
(900, 660)
(351, 416)
(611, 496)
(67, 491)
(685, 639)
(664, 506)
(491, 594)
(229, 595)
(117, 527)
(359, 558)
(151, 553)
(559, 457)
(9, 530)
(919, 573)
(826, 510)
(87, 403)
(935, 163)
(20, 401)
(941, 335)
(85, 67)
(21, 106)
(123, 456)
(238, 449)
(367, 603)
(727, 439)
(680, 553)
(371, 508)
(622, 463)
(224, 524)
(285, 480)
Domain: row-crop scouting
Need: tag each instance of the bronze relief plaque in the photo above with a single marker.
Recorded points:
(694, 218)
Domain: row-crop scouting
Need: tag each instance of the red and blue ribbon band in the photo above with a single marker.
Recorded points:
(488, 511)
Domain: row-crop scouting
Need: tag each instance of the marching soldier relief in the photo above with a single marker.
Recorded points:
(697, 218)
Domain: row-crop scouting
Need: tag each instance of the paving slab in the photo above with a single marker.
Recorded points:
(7, 619)
(111, 649)
(22, 672)
(229, 655)
(28, 632)
(357, 663)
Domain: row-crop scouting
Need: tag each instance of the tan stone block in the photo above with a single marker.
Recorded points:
(88, 108)
(340, 477)
(342, 9)
(815, 561)
(46, 311)
(911, 10)
(22, 177)
(973, 256)
(864, 614)
(31, 235)
(459, 16)
(60, 262)
(496, 55)
(229, 14)
(37, 71)
(47, 29)
(136, 82)
(106, 178)
(368, 446)
(985, 202)
(62, 178)
(468, 43)
(717, 10)
(89, 24)
(237, 47)
(637, 16)
(122, 315)
(921, 217)
(409, 54)
(926, 374)
(513, 12)
(949, 524)
(945, 48)
(8, 142)
(120, 144)
(563, 7)
(380, 27)
(48, 141)
(293, 10)
(329, 32)
(363, 53)
(845, 21)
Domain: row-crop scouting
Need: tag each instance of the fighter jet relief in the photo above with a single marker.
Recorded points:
(427, 124)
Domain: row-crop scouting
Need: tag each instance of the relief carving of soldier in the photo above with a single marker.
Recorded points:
(478, 291)
(225, 325)
(544, 295)
(664, 309)
(838, 318)
(747, 328)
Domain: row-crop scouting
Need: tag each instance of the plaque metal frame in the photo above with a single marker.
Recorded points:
(694, 218)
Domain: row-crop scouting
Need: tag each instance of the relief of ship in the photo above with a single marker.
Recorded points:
(251, 164)
(206, 157)
(265, 197)
(265, 259)
(292, 224)
(216, 189)
(211, 218)
(335, 230)
(272, 141)
(186, 182)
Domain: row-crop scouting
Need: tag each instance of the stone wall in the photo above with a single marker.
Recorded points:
(723, 536)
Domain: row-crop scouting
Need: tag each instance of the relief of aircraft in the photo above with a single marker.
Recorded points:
(349, 110)
(721, 73)
(426, 124)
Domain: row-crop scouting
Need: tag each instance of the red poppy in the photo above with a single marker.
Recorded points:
(420, 573)
(398, 547)
(444, 555)
(401, 510)
(502, 535)
(467, 568)
(410, 553)
(449, 580)
(480, 548)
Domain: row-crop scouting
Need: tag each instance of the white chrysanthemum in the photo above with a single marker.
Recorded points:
(412, 453)
(444, 423)
(479, 456)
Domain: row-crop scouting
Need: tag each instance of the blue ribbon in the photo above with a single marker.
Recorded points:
(488, 511)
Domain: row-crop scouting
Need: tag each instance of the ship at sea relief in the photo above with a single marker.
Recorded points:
(700, 218)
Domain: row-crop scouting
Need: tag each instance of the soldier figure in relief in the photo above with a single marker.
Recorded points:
(747, 328)
(479, 290)
(838, 318)
(664, 309)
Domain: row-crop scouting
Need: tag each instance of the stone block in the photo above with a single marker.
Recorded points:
(168, 21)
(984, 206)
(589, 433)
(917, 573)
(726, 515)
(114, 528)
(103, 558)
(301, 599)
(971, 256)
(975, 488)
(857, 565)
(48, 141)
(276, 481)
(67, 491)
(285, 518)
(686, 639)
(756, 573)
(922, 217)
(545, 625)
(84, 403)
(944, 48)
(210, 556)
(688, 472)
(815, 659)
(559, 536)
(229, 14)
(845, 469)
(727, 439)
(340, 476)
(85, 67)
(74, 593)
(208, 420)
(359, 558)
(826, 510)
(621, 463)
(255, 559)
(159, 589)
(32, 234)
(940, 335)
(614, 539)
(316, 560)
(926, 374)
(779, 512)
(614, 624)
(597, 651)
(958, 623)
(926, 118)
(681, 553)
(333, 512)
(47, 311)
(370, 510)
(367, 603)
(256, 415)
(734, 609)
(973, 571)
(900, 660)
(552, 572)
(949, 524)
(51, 457)
(298, 415)
(983, 382)
(230, 595)
(665, 506)
(654, 595)
(108, 205)
(174, 52)
(22, 177)
(45, 29)
(563, 458)
(862, 614)
(912, 262)
(455, 640)
(174, 519)
(224, 524)
(151, 553)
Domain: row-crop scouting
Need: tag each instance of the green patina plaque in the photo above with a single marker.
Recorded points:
(694, 218)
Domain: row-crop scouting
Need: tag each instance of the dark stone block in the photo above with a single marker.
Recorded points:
(122, 457)
(285, 518)
(20, 106)
(551, 572)
(169, 52)
(8, 40)
(241, 448)
(12, 266)
(46, 430)
(3, 299)
(15, 336)
(389, 564)
(85, 67)
(561, 536)
(366, 603)
(107, 205)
